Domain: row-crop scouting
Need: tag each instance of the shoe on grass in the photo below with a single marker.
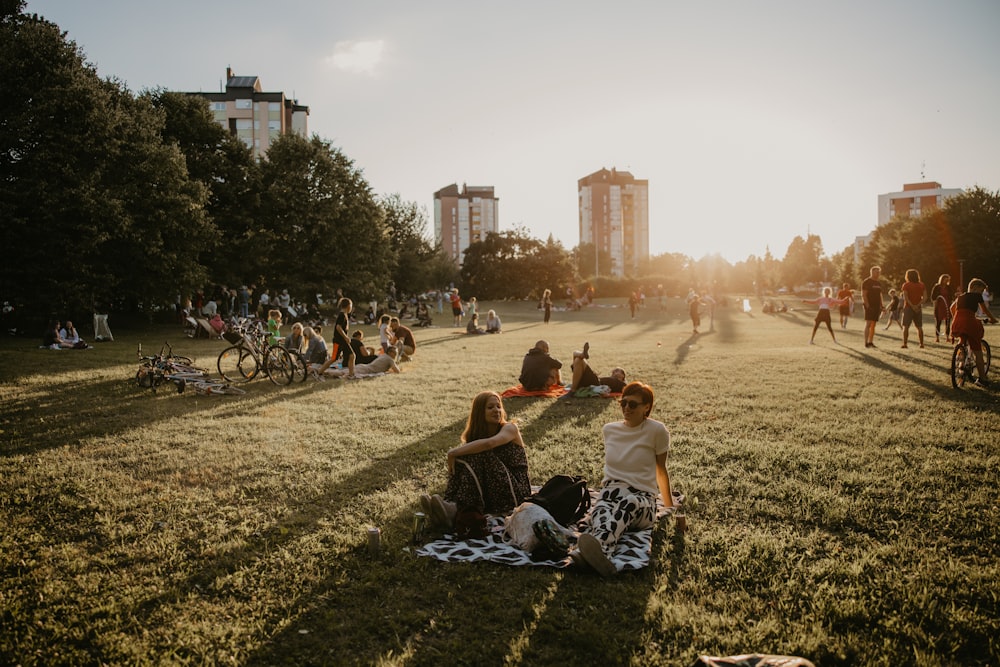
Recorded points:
(425, 505)
(592, 552)
(443, 512)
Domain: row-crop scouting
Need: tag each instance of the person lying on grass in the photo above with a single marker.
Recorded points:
(635, 472)
(584, 376)
(384, 363)
(488, 472)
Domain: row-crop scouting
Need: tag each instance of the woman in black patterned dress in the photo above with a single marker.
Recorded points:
(488, 472)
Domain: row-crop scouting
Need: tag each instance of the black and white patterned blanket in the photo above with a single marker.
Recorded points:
(631, 553)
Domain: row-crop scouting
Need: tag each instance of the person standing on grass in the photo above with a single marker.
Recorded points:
(823, 314)
(893, 310)
(341, 339)
(547, 304)
(635, 475)
(913, 292)
(488, 472)
(456, 306)
(965, 326)
(846, 295)
(941, 298)
(871, 295)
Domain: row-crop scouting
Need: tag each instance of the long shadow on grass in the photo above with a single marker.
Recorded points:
(45, 419)
(942, 388)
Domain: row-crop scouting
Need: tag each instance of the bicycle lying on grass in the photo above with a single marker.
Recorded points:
(156, 369)
(963, 363)
(251, 352)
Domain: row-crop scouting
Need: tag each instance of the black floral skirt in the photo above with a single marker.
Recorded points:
(492, 482)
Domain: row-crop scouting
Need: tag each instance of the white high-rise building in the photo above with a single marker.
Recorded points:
(463, 217)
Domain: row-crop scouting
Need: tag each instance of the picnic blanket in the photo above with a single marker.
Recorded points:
(555, 391)
(631, 553)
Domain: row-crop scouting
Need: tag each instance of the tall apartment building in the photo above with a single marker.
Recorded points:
(614, 216)
(463, 217)
(255, 117)
(916, 198)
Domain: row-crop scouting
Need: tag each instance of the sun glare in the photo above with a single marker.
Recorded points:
(356, 57)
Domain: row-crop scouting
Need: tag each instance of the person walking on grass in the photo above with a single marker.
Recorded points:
(871, 295)
(913, 292)
(941, 298)
(823, 314)
(966, 327)
(635, 475)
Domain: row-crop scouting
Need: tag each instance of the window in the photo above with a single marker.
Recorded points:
(244, 124)
(274, 125)
(244, 104)
(218, 106)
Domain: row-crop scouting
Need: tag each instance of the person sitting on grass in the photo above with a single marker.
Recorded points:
(295, 341)
(635, 474)
(539, 371)
(493, 323)
(488, 472)
(473, 326)
(402, 339)
(585, 377)
(51, 338)
(362, 353)
(316, 350)
(966, 327)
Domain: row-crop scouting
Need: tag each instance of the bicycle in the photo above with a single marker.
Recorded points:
(963, 363)
(250, 352)
(156, 369)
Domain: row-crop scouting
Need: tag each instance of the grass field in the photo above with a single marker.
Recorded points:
(847, 505)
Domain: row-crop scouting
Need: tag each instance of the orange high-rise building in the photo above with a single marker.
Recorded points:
(463, 217)
(614, 216)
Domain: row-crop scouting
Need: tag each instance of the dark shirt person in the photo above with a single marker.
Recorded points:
(539, 371)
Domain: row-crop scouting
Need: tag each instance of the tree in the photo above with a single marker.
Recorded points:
(320, 227)
(419, 265)
(86, 181)
(802, 261)
(499, 266)
(225, 166)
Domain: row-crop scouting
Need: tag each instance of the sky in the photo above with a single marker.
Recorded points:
(754, 122)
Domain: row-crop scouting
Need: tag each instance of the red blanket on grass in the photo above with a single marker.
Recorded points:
(555, 391)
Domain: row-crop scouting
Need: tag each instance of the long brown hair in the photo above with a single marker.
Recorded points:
(477, 427)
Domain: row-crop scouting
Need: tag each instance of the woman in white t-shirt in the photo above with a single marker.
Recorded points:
(635, 474)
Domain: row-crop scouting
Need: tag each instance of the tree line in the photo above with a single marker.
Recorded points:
(131, 199)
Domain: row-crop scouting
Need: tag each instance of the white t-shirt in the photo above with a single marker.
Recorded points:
(630, 453)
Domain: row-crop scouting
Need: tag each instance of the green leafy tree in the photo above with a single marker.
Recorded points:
(499, 266)
(96, 208)
(802, 264)
(419, 265)
(226, 168)
(321, 227)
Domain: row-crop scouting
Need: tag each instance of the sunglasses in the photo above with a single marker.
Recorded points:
(631, 405)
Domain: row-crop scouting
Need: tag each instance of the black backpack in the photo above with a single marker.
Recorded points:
(566, 498)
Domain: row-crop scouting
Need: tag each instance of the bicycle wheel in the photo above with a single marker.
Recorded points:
(300, 369)
(986, 358)
(958, 359)
(278, 365)
(237, 364)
